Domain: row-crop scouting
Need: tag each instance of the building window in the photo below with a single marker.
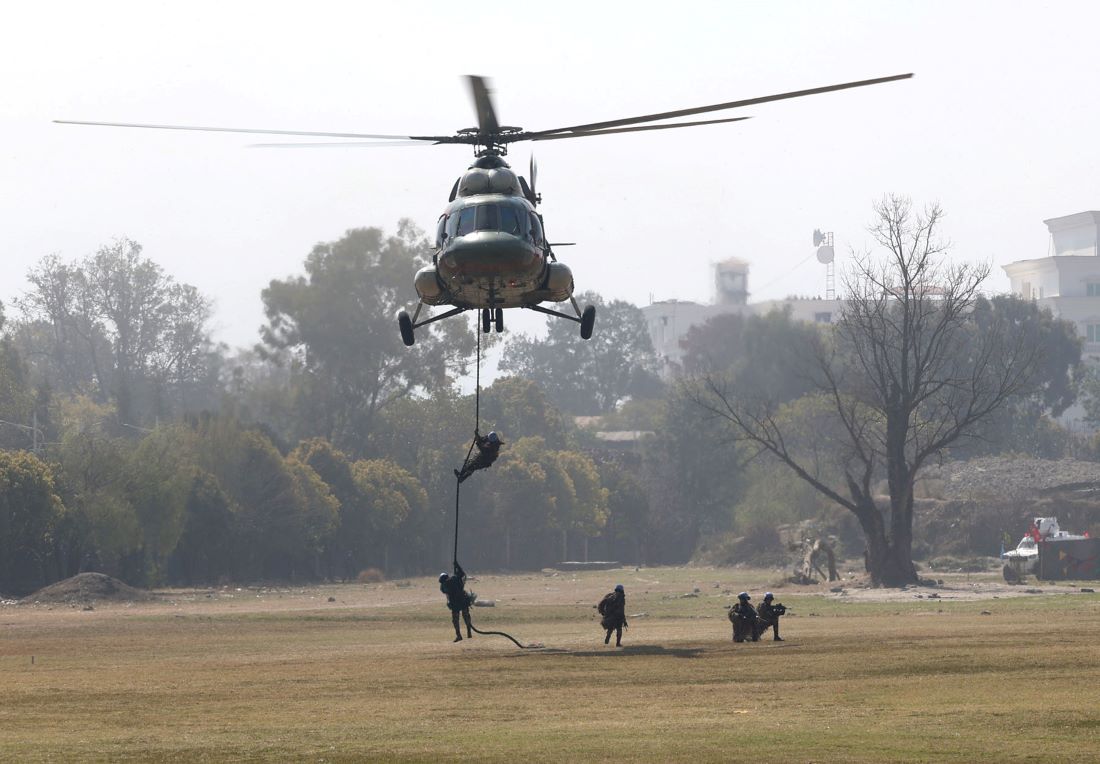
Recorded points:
(1092, 332)
(1040, 293)
(1092, 289)
(1025, 290)
(823, 318)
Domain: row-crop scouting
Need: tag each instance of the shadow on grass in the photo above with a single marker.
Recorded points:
(625, 651)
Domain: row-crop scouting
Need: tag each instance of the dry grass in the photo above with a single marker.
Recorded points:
(286, 675)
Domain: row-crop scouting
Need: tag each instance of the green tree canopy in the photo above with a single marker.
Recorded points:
(335, 328)
(30, 511)
(589, 378)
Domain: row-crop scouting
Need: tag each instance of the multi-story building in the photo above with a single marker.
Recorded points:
(1068, 280)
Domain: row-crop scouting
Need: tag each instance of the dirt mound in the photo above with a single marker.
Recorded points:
(86, 588)
(1011, 477)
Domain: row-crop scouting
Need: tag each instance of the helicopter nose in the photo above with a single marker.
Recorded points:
(490, 253)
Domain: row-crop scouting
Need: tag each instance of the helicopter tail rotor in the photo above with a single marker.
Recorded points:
(534, 180)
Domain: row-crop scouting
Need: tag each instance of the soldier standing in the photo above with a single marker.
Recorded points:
(612, 609)
(743, 617)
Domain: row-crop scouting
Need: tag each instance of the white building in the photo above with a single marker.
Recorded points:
(670, 320)
(1067, 281)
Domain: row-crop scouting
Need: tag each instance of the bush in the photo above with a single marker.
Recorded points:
(371, 576)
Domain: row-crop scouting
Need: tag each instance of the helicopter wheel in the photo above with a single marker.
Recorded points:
(498, 320)
(588, 321)
(406, 325)
(486, 320)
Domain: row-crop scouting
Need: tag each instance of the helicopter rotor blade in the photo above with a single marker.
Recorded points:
(443, 138)
(596, 126)
(339, 144)
(586, 133)
(483, 102)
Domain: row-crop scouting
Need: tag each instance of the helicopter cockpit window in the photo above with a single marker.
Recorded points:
(487, 217)
(466, 219)
(510, 220)
(536, 229)
(441, 230)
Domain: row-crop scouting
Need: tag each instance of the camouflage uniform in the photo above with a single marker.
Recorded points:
(487, 452)
(458, 601)
(612, 609)
(769, 615)
(743, 617)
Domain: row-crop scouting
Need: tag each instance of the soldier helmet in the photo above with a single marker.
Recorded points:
(744, 596)
(442, 577)
(619, 588)
(769, 596)
(493, 437)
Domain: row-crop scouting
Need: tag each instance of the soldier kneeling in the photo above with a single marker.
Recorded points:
(769, 614)
(743, 617)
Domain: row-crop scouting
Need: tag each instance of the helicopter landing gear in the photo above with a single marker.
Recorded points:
(498, 319)
(405, 324)
(586, 318)
(588, 321)
(486, 320)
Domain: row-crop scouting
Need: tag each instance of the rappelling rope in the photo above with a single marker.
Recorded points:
(477, 426)
(458, 483)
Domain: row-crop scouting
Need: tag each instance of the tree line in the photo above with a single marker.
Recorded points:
(134, 444)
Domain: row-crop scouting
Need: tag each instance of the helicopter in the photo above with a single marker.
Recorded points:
(491, 251)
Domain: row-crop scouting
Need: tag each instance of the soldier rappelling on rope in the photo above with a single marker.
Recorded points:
(488, 448)
(458, 599)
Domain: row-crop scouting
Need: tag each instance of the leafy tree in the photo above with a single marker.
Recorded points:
(159, 486)
(518, 405)
(30, 511)
(770, 354)
(105, 533)
(588, 378)
(118, 327)
(204, 553)
(521, 506)
(587, 513)
(283, 508)
(1026, 423)
(335, 328)
(396, 501)
(627, 505)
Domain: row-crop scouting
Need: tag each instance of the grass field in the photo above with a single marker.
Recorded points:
(284, 674)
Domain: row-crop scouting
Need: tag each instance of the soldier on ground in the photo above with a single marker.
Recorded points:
(743, 617)
(612, 609)
(769, 614)
(488, 447)
(458, 600)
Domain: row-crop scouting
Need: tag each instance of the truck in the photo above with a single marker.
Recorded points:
(1052, 554)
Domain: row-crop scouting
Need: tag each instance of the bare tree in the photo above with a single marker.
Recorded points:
(906, 372)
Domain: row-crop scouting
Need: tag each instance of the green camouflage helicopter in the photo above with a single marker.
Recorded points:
(491, 250)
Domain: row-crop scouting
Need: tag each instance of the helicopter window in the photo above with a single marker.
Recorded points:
(441, 230)
(487, 217)
(536, 229)
(465, 221)
(510, 221)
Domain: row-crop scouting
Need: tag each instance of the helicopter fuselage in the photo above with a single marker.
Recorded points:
(491, 253)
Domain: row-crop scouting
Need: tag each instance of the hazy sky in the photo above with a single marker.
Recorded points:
(999, 125)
